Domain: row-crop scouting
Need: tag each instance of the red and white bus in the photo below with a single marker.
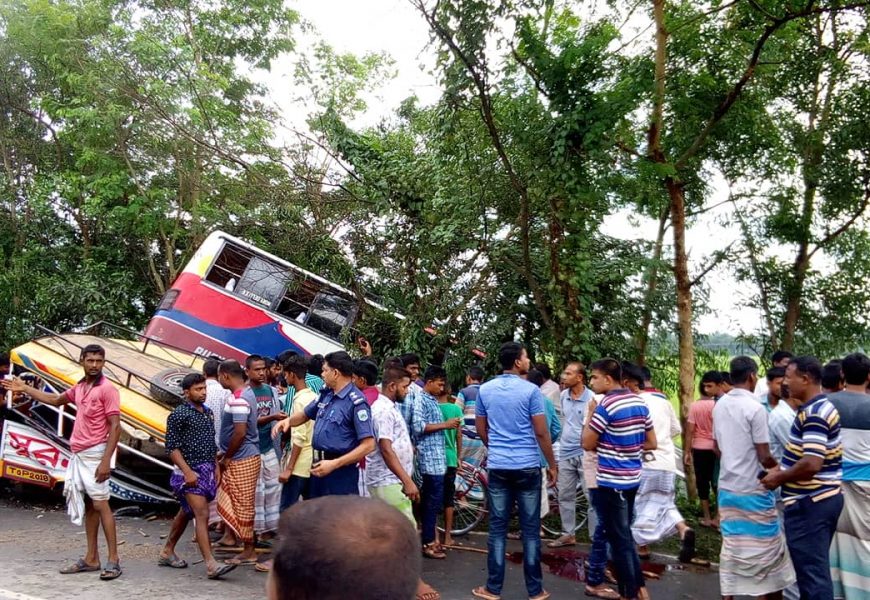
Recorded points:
(233, 299)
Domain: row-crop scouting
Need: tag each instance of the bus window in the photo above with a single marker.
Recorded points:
(229, 267)
(263, 282)
(297, 300)
(331, 313)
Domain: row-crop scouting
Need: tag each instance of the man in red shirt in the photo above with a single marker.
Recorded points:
(94, 438)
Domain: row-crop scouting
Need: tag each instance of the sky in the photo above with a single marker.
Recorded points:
(394, 27)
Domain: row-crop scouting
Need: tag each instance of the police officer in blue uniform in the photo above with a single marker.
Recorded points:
(343, 433)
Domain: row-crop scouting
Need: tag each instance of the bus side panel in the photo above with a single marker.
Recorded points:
(206, 321)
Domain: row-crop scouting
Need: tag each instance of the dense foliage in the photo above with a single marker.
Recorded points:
(131, 129)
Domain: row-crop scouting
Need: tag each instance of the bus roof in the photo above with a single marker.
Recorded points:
(230, 238)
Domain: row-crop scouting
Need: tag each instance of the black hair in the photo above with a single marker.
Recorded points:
(775, 373)
(475, 373)
(647, 374)
(367, 370)
(210, 367)
(393, 361)
(232, 368)
(809, 366)
(356, 530)
(394, 373)
(712, 377)
(856, 368)
(544, 369)
(609, 367)
(295, 364)
(192, 379)
(434, 372)
(252, 359)
(93, 349)
(508, 354)
(726, 376)
(315, 364)
(742, 368)
(633, 372)
(4, 360)
(340, 361)
(536, 377)
(409, 359)
(282, 358)
(269, 361)
(832, 374)
(779, 355)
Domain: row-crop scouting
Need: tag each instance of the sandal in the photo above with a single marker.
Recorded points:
(263, 567)
(221, 571)
(431, 551)
(484, 594)
(241, 563)
(80, 566)
(426, 592)
(563, 541)
(172, 561)
(687, 546)
(111, 571)
(606, 593)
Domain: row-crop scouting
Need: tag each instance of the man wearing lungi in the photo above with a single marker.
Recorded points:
(95, 436)
(191, 447)
(239, 463)
(754, 560)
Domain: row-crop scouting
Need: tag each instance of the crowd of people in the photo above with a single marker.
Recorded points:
(788, 459)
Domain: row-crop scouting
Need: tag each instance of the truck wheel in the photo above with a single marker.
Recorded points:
(166, 385)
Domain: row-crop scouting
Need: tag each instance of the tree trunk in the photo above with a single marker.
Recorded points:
(651, 284)
(684, 312)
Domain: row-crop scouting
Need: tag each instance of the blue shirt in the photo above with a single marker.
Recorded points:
(621, 421)
(431, 450)
(553, 425)
(573, 417)
(508, 403)
(341, 420)
(815, 432)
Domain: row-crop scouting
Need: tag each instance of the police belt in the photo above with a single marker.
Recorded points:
(324, 455)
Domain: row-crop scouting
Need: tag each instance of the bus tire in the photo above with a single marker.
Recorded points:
(165, 386)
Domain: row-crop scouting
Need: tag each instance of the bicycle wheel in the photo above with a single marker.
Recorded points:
(552, 523)
(469, 500)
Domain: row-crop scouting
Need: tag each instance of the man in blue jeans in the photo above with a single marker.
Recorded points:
(810, 474)
(620, 429)
(511, 422)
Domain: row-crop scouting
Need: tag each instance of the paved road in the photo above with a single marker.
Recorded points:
(36, 541)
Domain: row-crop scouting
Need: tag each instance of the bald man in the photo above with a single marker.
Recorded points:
(335, 547)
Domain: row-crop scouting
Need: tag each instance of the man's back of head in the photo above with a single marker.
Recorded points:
(340, 547)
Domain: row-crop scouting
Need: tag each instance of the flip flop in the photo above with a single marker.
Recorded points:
(687, 546)
(430, 594)
(111, 571)
(561, 543)
(263, 567)
(241, 563)
(606, 593)
(263, 544)
(222, 570)
(80, 566)
(484, 594)
(172, 561)
(431, 551)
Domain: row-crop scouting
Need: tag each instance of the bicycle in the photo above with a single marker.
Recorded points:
(470, 501)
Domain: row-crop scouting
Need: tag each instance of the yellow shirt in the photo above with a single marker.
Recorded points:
(301, 436)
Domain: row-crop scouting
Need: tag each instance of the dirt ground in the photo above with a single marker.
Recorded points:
(37, 539)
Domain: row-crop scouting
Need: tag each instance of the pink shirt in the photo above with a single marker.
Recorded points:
(94, 404)
(701, 416)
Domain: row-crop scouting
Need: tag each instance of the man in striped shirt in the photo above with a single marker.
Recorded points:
(810, 475)
(620, 429)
